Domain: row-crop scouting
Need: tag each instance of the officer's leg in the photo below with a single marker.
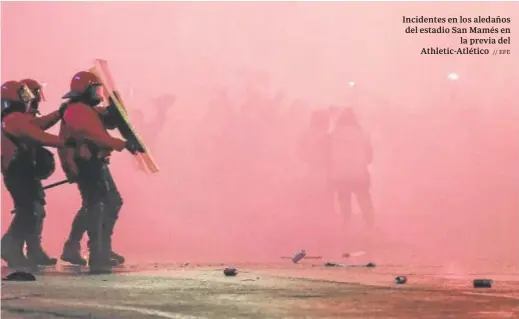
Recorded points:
(72, 248)
(97, 225)
(363, 194)
(113, 206)
(99, 259)
(35, 252)
(344, 192)
(13, 239)
(344, 197)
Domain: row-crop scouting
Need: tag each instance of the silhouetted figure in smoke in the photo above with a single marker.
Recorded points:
(218, 119)
(314, 144)
(314, 151)
(217, 152)
(350, 155)
(151, 130)
(216, 140)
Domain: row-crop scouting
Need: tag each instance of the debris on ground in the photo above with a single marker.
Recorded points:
(354, 254)
(482, 283)
(334, 264)
(20, 276)
(299, 256)
(230, 272)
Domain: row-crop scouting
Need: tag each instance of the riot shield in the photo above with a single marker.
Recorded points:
(144, 160)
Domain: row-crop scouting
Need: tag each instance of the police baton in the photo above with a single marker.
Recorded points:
(56, 184)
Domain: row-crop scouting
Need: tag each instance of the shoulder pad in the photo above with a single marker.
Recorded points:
(11, 116)
(65, 106)
(76, 104)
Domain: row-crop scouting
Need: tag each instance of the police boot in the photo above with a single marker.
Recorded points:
(72, 254)
(72, 249)
(100, 264)
(12, 252)
(40, 258)
(35, 253)
(99, 260)
(117, 258)
(12, 242)
(112, 209)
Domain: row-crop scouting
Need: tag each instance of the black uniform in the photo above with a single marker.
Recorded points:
(95, 184)
(22, 181)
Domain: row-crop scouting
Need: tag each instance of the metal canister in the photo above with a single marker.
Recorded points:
(331, 264)
(230, 272)
(297, 257)
(482, 283)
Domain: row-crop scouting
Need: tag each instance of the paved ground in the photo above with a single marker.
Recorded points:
(261, 291)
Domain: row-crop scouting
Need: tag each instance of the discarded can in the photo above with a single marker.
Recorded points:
(230, 272)
(482, 283)
(331, 264)
(300, 255)
(400, 280)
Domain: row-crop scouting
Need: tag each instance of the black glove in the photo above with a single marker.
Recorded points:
(134, 147)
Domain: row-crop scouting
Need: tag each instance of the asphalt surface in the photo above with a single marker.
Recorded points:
(260, 291)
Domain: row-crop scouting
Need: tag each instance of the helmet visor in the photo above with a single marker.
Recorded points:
(39, 94)
(26, 94)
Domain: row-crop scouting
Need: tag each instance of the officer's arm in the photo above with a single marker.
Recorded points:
(86, 122)
(47, 121)
(19, 125)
